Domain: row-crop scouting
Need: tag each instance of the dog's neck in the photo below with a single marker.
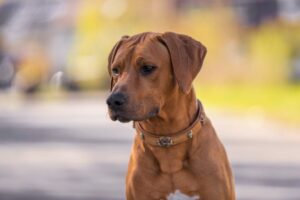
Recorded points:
(168, 121)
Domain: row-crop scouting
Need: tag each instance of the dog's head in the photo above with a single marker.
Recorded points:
(148, 69)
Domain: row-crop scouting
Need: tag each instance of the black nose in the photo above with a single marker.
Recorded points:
(116, 100)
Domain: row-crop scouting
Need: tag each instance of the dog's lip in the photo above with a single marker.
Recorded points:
(119, 117)
(124, 117)
(154, 112)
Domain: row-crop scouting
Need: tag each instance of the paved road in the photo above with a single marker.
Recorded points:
(61, 150)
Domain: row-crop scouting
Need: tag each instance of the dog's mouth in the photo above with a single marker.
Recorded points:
(127, 117)
(120, 118)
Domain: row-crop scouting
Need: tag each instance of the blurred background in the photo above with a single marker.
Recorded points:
(56, 139)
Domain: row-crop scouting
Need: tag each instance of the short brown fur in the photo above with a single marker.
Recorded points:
(164, 102)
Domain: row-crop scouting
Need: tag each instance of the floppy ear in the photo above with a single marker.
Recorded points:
(111, 58)
(187, 56)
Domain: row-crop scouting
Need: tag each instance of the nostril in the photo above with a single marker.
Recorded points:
(118, 103)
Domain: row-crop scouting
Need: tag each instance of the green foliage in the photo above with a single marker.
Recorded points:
(280, 102)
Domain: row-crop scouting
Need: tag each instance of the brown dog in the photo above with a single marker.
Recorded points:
(176, 147)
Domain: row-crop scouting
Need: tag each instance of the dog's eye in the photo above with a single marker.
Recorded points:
(115, 71)
(147, 69)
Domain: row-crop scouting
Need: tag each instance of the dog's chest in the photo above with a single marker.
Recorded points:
(174, 173)
(162, 185)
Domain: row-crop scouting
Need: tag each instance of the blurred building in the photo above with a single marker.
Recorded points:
(34, 27)
(41, 37)
(256, 12)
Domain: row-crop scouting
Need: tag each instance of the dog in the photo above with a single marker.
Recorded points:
(176, 147)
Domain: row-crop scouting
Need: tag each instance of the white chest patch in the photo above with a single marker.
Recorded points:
(177, 195)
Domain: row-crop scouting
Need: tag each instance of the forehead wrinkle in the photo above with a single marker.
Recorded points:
(150, 50)
(138, 38)
(124, 55)
(141, 46)
(130, 51)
